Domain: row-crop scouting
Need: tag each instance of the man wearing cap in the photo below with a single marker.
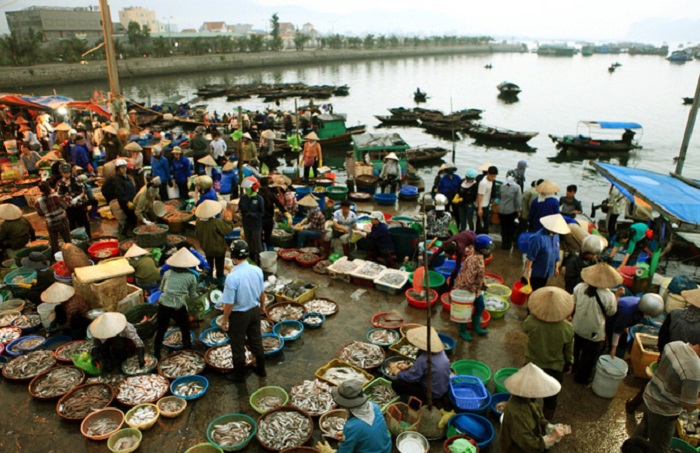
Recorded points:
(252, 209)
(380, 246)
(181, 170)
(550, 335)
(543, 251)
(29, 159)
(449, 187)
(524, 427)
(160, 168)
(71, 310)
(211, 233)
(15, 231)
(145, 270)
(244, 291)
(390, 176)
(414, 380)
(79, 153)
(200, 148)
(365, 429)
(483, 200)
(544, 205)
(311, 155)
(114, 340)
(73, 193)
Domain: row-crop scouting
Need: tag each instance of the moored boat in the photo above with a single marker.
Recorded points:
(588, 143)
(500, 134)
(508, 88)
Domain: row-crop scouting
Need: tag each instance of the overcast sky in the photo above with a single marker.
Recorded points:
(673, 20)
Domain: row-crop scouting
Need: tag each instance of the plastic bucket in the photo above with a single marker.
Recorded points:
(405, 241)
(462, 305)
(268, 261)
(628, 273)
(610, 372)
(46, 313)
(500, 377)
(517, 297)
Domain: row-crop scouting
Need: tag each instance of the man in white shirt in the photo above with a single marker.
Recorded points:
(483, 201)
(218, 148)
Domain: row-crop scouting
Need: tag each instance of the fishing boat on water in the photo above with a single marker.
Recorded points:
(332, 130)
(591, 143)
(420, 96)
(373, 148)
(418, 156)
(398, 120)
(508, 88)
(499, 134)
(688, 101)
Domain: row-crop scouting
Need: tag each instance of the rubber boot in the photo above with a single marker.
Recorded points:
(464, 333)
(476, 324)
(94, 214)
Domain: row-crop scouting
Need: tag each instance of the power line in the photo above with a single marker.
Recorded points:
(8, 4)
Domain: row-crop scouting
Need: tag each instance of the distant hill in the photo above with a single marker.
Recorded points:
(658, 29)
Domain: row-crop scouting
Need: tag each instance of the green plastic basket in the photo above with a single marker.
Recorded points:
(472, 368)
(500, 376)
(337, 193)
(681, 445)
(435, 279)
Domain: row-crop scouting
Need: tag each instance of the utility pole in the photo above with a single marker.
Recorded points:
(116, 101)
(688, 130)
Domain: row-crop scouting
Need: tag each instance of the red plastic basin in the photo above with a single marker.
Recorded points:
(445, 299)
(421, 303)
(485, 318)
(628, 273)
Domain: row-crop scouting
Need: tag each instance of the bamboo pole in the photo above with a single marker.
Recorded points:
(688, 129)
(426, 291)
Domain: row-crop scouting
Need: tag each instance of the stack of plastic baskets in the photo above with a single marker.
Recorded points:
(468, 392)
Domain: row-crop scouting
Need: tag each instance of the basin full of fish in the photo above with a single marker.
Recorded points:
(145, 388)
(284, 429)
(29, 365)
(9, 334)
(295, 289)
(494, 303)
(339, 374)
(171, 405)
(102, 427)
(75, 347)
(401, 364)
(409, 351)
(384, 337)
(313, 320)
(190, 388)
(215, 337)
(291, 311)
(8, 317)
(288, 332)
(417, 295)
(27, 321)
(267, 403)
(220, 357)
(323, 306)
(114, 380)
(313, 397)
(141, 415)
(173, 339)
(131, 365)
(382, 394)
(362, 354)
(57, 382)
(369, 270)
(83, 400)
(333, 426)
(307, 257)
(182, 364)
(271, 344)
(230, 434)
(126, 443)
(343, 267)
(314, 250)
(28, 344)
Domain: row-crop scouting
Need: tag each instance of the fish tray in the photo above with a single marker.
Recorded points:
(9, 332)
(272, 307)
(42, 376)
(307, 264)
(27, 358)
(228, 418)
(398, 337)
(381, 350)
(305, 297)
(57, 352)
(151, 239)
(17, 348)
(176, 353)
(248, 362)
(342, 413)
(289, 254)
(310, 325)
(396, 347)
(335, 309)
(339, 363)
(264, 392)
(387, 287)
(142, 426)
(79, 388)
(273, 335)
(165, 399)
(171, 332)
(285, 409)
(111, 413)
(377, 383)
(208, 344)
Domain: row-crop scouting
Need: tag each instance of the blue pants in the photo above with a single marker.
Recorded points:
(303, 235)
(478, 305)
(466, 216)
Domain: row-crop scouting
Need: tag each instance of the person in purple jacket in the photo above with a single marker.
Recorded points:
(545, 204)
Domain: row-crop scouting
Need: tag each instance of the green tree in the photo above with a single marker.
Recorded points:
(138, 37)
(161, 47)
(381, 42)
(256, 43)
(11, 46)
(368, 42)
(335, 41)
(354, 42)
(300, 39)
(394, 41)
(71, 50)
(276, 42)
(242, 44)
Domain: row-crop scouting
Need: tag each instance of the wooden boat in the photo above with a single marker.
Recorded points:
(417, 156)
(488, 66)
(398, 120)
(688, 101)
(342, 90)
(508, 88)
(404, 111)
(210, 91)
(500, 134)
(419, 96)
(445, 128)
(612, 68)
(580, 142)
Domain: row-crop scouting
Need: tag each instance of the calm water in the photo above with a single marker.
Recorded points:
(557, 93)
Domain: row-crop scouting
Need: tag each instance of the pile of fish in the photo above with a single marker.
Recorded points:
(313, 397)
(27, 321)
(267, 403)
(220, 357)
(313, 319)
(384, 336)
(146, 388)
(152, 228)
(494, 303)
(102, 426)
(333, 426)
(9, 334)
(30, 365)
(288, 332)
(114, 380)
(284, 429)
(57, 382)
(271, 344)
(314, 250)
(339, 374)
(170, 406)
(214, 337)
(362, 354)
(173, 339)
(75, 347)
(266, 325)
(401, 364)
(409, 350)
(343, 267)
(182, 364)
(84, 400)
(294, 290)
(323, 306)
(188, 389)
(389, 320)
(392, 278)
(29, 344)
(131, 365)
(231, 434)
(285, 312)
(143, 414)
(126, 443)
(382, 394)
(307, 257)
(8, 317)
(369, 270)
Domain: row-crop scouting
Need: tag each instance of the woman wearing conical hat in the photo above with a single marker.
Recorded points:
(70, 309)
(114, 339)
(311, 155)
(15, 231)
(545, 204)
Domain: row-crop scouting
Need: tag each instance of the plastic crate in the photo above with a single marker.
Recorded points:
(307, 296)
(339, 363)
(468, 392)
(134, 297)
(641, 357)
(380, 381)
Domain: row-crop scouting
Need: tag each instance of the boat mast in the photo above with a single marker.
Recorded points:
(116, 100)
(680, 161)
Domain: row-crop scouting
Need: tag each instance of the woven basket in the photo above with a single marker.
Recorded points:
(151, 239)
(267, 391)
(284, 409)
(142, 426)
(109, 412)
(165, 414)
(343, 413)
(79, 388)
(178, 225)
(42, 376)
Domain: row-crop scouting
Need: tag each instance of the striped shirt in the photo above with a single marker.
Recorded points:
(675, 382)
(53, 207)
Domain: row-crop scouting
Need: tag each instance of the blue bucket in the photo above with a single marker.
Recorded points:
(302, 191)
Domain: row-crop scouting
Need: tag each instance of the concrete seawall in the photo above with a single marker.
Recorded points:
(18, 79)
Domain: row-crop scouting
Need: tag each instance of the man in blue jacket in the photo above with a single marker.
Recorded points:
(160, 167)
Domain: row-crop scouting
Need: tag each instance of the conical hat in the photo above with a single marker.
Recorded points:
(107, 325)
(159, 209)
(485, 167)
(692, 296)
(10, 212)
(183, 258)
(63, 127)
(555, 223)
(110, 129)
(208, 161)
(268, 134)
(51, 156)
(135, 251)
(208, 209)
(392, 156)
(133, 146)
(308, 202)
(204, 182)
(531, 382)
(311, 136)
(418, 337)
(21, 120)
(550, 304)
(601, 275)
(57, 293)
(547, 186)
(229, 166)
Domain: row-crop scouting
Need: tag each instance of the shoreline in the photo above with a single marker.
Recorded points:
(18, 79)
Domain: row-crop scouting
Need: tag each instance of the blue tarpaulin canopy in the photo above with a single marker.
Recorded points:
(613, 124)
(669, 195)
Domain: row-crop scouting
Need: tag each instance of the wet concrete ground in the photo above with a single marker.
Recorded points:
(599, 425)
